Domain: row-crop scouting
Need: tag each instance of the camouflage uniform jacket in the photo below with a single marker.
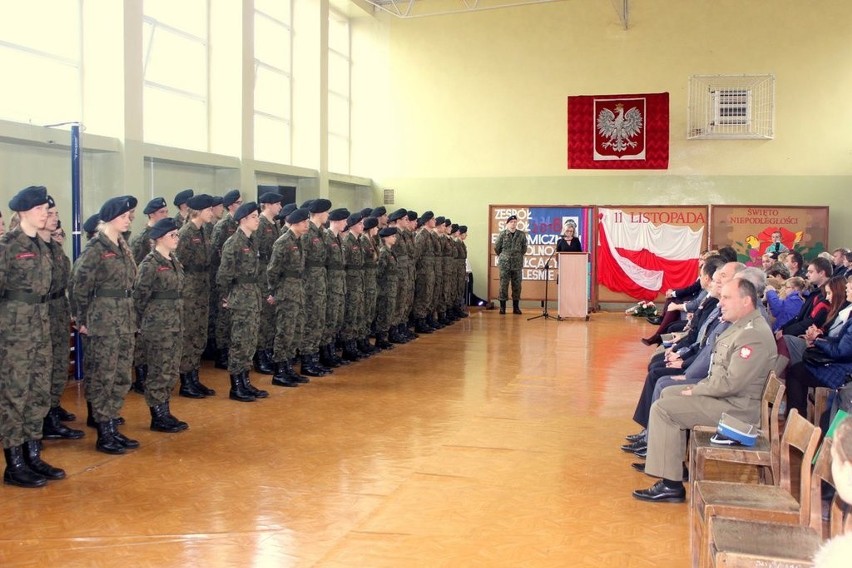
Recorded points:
(511, 248)
(371, 253)
(286, 265)
(193, 250)
(60, 276)
(264, 238)
(103, 279)
(221, 233)
(140, 245)
(236, 278)
(25, 268)
(315, 246)
(353, 256)
(424, 248)
(157, 294)
(335, 263)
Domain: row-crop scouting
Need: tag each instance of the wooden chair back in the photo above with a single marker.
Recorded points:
(770, 411)
(803, 437)
(821, 472)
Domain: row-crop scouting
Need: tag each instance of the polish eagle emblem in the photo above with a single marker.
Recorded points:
(619, 127)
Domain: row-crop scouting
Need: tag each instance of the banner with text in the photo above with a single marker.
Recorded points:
(643, 251)
(543, 226)
(749, 229)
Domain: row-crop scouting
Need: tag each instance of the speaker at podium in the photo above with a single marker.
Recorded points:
(573, 287)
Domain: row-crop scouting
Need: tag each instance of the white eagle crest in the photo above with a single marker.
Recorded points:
(619, 128)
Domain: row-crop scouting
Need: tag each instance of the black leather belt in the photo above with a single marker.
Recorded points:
(166, 295)
(314, 264)
(26, 297)
(246, 280)
(195, 269)
(292, 274)
(113, 293)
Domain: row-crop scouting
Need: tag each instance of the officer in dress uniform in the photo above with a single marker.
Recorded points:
(159, 309)
(284, 276)
(25, 349)
(103, 279)
(236, 282)
(140, 246)
(742, 358)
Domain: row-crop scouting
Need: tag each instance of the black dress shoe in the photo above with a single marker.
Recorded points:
(655, 320)
(643, 435)
(634, 447)
(641, 453)
(659, 493)
(653, 340)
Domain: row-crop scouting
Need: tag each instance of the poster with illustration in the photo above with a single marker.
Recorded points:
(755, 230)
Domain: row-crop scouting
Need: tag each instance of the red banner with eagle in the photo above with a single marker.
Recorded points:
(618, 132)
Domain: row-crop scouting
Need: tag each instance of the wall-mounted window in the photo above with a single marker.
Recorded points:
(40, 54)
(339, 93)
(175, 68)
(273, 81)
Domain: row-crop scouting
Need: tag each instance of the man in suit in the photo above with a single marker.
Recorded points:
(742, 358)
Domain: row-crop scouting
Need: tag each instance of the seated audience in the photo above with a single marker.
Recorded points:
(784, 305)
(815, 308)
(795, 264)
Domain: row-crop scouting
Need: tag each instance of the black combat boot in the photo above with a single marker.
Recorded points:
(282, 377)
(106, 439)
(32, 457)
(350, 351)
(502, 307)
(382, 341)
(326, 358)
(516, 307)
(402, 333)
(64, 415)
(255, 392)
(444, 319)
(17, 472)
(126, 443)
(238, 391)
(435, 323)
(408, 331)
(188, 388)
(460, 311)
(221, 361)
(393, 335)
(340, 360)
(53, 429)
(138, 385)
(365, 347)
(262, 362)
(205, 390)
(294, 376)
(316, 359)
(420, 326)
(163, 421)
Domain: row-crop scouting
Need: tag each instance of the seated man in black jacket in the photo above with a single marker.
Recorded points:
(819, 272)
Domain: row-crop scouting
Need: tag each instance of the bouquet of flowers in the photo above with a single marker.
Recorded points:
(642, 310)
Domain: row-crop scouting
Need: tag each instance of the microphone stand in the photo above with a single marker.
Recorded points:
(544, 313)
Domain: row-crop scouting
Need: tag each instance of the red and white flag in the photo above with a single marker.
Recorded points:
(618, 131)
(642, 259)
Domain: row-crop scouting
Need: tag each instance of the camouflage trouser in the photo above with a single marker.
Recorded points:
(224, 327)
(370, 295)
(334, 305)
(25, 357)
(212, 310)
(386, 307)
(243, 339)
(196, 291)
(315, 293)
(401, 310)
(110, 363)
(424, 288)
(139, 355)
(438, 293)
(289, 319)
(513, 276)
(266, 329)
(449, 284)
(462, 284)
(60, 340)
(162, 353)
(353, 315)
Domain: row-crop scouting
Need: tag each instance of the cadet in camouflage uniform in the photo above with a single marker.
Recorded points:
(424, 283)
(213, 310)
(140, 246)
(60, 324)
(387, 277)
(193, 252)
(353, 317)
(182, 203)
(315, 247)
(461, 301)
(284, 275)
(25, 349)
(371, 264)
(265, 237)
(449, 273)
(409, 226)
(236, 282)
(103, 279)
(221, 233)
(403, 258)
(335, 288)
(158, 304)
(511, 246)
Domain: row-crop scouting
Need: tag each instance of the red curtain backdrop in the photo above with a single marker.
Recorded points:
(619, 132)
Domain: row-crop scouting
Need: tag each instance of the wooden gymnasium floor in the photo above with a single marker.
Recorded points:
(491, 443)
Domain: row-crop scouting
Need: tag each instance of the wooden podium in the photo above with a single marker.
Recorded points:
(573, 287)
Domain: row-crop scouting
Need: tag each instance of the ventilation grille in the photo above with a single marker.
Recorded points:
(731, 107)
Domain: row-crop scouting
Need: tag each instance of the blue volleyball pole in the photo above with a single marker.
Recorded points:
(76, 212)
